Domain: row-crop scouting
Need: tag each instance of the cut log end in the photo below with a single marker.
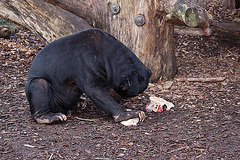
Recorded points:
(5, 32)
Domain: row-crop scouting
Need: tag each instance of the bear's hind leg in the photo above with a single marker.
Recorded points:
(41, 102)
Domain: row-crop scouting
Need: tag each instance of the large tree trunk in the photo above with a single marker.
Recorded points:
(140, 24)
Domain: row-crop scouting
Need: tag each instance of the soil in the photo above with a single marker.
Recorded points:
(204, 123)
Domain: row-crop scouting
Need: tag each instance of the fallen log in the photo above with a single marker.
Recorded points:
(232, 26)
(191, 15)
(179, 29)
(48, 22)
(202, 80)
(229, 32)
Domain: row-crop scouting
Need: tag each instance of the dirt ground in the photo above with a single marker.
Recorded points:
(204, 123)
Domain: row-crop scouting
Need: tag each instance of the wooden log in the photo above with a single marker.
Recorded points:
(200, 3)
(9, 14)
(186, 13)
(202, 80)
(228, 32)
(230, 3)
(45, 20)
(179, 29)
(231, 26)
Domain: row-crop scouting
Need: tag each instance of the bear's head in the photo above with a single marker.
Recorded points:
(134, 83)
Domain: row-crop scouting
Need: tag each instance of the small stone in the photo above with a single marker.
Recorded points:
(88, 151)
(130, 143)
(130, 122)
(167, 84)
(98, 145)
(121, 155)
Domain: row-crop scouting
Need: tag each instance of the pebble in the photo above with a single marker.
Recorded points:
(121, 155)
(98, 145)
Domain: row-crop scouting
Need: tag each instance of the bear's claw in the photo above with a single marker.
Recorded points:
(126, 115)
(49, 118)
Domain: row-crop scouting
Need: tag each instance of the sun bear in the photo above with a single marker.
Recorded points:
(90, 62)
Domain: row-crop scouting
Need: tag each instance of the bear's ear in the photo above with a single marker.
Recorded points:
(140, 79)
(149, 72)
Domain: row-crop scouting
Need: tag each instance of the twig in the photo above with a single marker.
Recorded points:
(28, 145)
(82, 119)
(112, 141)
(176, 150)
(5, 152)
(50, 157)
(203, 80)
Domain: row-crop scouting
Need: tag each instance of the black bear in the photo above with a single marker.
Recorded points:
(90, 62)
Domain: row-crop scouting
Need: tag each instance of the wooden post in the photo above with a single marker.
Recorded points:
(140, 27)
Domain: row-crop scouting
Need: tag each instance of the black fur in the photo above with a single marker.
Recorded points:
(90, 61)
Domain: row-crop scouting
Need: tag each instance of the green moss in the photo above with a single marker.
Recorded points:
(191, 17)
(10, 25)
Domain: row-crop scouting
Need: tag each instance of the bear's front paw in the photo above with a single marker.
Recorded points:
(50, 117)
(123, 116)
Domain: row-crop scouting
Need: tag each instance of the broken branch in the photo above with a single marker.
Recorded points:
(203, 80)
(82, 119)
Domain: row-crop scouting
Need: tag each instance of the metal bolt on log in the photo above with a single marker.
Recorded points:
(139, 20)
(114, 8)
